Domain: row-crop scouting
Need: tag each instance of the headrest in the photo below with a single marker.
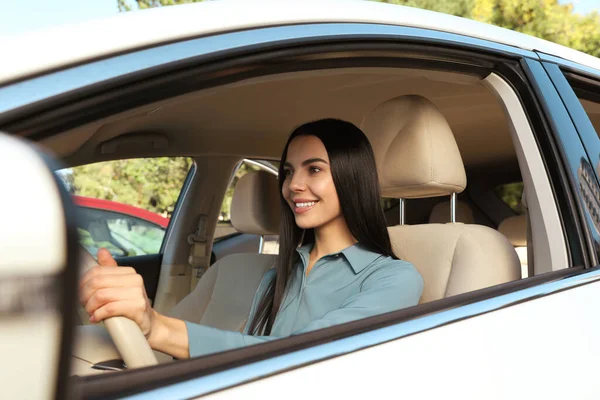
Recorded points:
(415, 150)
(255, 205)
(440, 214)
(515, 230)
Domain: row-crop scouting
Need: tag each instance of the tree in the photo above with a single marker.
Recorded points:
(153, 184)
(546, 19)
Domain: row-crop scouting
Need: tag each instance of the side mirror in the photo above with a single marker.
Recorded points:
(38, 274)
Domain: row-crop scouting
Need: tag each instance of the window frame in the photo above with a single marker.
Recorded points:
(263, 359)
(298, 347)
(558, 70)
(542, 191)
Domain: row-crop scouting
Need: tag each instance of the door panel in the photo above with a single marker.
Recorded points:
(518, 352)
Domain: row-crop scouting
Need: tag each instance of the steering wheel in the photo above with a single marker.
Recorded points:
(125, 333)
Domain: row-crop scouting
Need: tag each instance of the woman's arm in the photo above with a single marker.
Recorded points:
(108, 291)
(170, 336)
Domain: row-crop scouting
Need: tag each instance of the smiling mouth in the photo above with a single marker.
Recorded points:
(304, 207)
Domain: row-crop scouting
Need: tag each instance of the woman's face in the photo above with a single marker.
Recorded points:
(308, 187)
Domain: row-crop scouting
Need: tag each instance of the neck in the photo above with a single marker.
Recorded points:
(332, 238)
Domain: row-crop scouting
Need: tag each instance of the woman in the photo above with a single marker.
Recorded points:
(336, 262)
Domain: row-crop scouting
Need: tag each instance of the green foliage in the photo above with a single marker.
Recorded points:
(511, 194)
(546, 19)
(149, 183)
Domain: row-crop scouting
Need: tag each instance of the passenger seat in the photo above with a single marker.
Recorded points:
(223, 296)
(417, 157)
(440, 213)
(515, 230)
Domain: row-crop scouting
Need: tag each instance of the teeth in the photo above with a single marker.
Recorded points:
(309, 204)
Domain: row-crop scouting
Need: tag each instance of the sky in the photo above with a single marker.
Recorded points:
(19, 16)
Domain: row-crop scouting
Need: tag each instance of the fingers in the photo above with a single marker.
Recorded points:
(105, 259)
(132, 309)
(99, 270)
(100, 281)
(104, 296)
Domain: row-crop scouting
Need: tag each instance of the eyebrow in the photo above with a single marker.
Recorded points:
(308, 161)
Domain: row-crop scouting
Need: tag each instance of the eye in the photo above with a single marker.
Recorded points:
(314, 170)
(287, 172)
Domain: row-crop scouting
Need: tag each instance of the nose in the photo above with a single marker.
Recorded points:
(297, 183)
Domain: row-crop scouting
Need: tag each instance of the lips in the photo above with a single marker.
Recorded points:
(301, 205)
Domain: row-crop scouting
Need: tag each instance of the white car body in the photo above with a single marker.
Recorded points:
(67, 45)
(536, 341)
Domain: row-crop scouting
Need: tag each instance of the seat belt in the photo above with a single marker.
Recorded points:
(198, 258)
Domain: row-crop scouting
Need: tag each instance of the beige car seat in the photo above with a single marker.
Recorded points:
(440, 213)
(515, 230)
(223, 296)
(417, 157)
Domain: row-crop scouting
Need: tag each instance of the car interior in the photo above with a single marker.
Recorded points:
(440, 139)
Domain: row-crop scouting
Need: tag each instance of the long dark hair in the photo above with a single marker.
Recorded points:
(354, 175)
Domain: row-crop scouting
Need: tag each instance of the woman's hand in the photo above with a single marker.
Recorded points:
(108, 290)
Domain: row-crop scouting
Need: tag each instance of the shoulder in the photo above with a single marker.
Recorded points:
(395, 272)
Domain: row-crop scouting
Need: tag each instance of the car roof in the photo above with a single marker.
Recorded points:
(38, 52)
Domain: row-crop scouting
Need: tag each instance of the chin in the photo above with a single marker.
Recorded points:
(305, 225)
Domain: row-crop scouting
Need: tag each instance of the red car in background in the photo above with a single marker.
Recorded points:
(123, 229)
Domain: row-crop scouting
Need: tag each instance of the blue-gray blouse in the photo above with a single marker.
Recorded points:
(352, 284)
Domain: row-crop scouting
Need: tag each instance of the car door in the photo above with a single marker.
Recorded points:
(492, 351)
(503, 337)
(471, 343)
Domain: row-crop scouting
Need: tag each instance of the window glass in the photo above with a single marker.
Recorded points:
(511, 194)
(588, 94)
(592, 109)
(126, 205)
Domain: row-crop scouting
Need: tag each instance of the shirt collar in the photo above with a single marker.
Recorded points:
(357, 256)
